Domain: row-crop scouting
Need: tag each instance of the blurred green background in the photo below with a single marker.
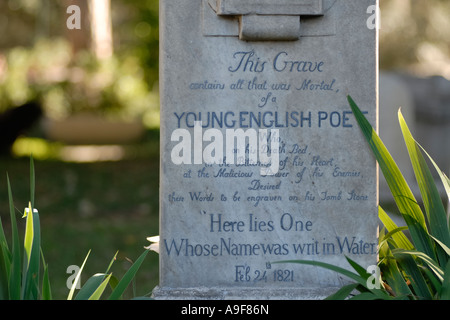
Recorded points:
(96, 185)
(96, 147)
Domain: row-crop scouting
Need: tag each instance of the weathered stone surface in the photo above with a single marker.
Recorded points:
(306, 187)
(266, 28)
(288, 7)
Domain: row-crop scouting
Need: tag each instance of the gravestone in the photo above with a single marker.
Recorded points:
(261, 157)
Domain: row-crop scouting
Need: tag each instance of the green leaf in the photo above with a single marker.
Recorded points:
(394, 278)
(403, 196)
(4, 272)
(434, 266)
(433, 280)
(33, 246)
(46, 288)
(343, 292)
(113, 282)
(111, 262)
(445, 289)
(381, 294)
(32, 259)
(128, 277)
(3, 240)
(400, 239)
(98, 293)
(412, 271)
(442, 245)
(91, 286)
(77, 278)
(437, 217)
(94, 282)
(32, 181)
(29, 234)
(445, 180)
(397, 184)
(340, 270)
(421, 238)
(388, 236)
(360, 270)
(15, 276)
(365, 296)
(5, 265)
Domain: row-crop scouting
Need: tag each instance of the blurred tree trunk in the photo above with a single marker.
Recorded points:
(96, 27)
(80, 39)
(101, 28)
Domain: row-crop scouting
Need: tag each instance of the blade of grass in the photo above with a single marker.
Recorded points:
(392, 233)
(421, 238)
(112, 261)
(365, 296)
(398, 185)
(32, 273)
(343, 292)
(432, 278)
(3, 240)
(128, 277)
(430, 195)
(15, 276)
(28, 246)
(434, 266)
(394, 278)
(356, 277)
(93, 283)
(77, 278)
(400, 239)
(32, 248)
(445, 289)
(29, 232)
(113, 282)
(442, 245)
(46, 288)
(36, 254)
(409, 266)
(4, 272)
(90, 287)
(445, 180)
(5, 265)
(360, 270)
(98, 293)
(340, 270)
(403, 195)
(32, 182)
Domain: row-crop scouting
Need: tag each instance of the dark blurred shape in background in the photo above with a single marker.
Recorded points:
(16, 121)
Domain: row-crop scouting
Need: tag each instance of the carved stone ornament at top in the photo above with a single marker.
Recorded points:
(268, 20)
(270, 7)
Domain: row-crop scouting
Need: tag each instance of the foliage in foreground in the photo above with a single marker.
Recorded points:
(21, 277)
(416, 269)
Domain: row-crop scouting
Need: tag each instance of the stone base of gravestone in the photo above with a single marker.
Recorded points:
(242, 293)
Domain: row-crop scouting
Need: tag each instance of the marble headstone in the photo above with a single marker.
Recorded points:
(261, 157)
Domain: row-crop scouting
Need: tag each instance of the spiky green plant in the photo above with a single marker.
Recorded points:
(20, 273)
(411, 269)
(21, 277)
